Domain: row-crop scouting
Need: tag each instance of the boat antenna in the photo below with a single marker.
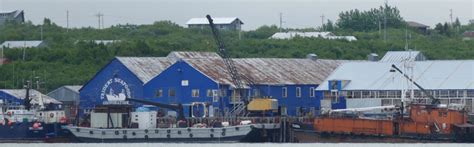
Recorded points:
(27, 100)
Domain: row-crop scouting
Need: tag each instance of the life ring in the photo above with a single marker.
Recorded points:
(51, 115)
(62, 119)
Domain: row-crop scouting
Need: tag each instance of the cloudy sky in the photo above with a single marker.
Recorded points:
(254, 13)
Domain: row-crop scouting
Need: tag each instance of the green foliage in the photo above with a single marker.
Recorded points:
(71, 58)
(370, 20)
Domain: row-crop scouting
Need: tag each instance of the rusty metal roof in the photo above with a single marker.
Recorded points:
(269, 71)
(192, 55)
(146, 68)
(34, 95)
(264, 71)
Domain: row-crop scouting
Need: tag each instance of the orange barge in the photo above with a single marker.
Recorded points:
(423, 122)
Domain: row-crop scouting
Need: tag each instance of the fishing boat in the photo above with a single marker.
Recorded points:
(117, 123)
(31, 119)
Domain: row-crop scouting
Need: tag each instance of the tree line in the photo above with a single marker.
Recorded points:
(71, 58)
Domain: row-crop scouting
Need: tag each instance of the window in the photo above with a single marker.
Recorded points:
(298, 111)
(223, 92)
(311, 92)
(256, 92)
(184, 82)
(283, 111)
(159, 93)
(171, 92)
(334, 96)
(298, 91)
(209, 93)
(284, 92)
(195, 93)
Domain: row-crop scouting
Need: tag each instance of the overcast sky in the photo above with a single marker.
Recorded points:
(254, 13)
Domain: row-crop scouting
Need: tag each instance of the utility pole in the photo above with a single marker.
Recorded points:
(41, 29)
(99, 15)
(67, 20)
(102, 21)
(281, 22)
(385, 21)
(322, 22)
(451, 16)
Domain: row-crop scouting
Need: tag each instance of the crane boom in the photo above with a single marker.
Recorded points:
(229, 63)
(434, 100)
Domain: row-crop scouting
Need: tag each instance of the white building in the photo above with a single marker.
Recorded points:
(23, 44)
(225, 23)
(402, 56)
(17, 15)
(368, 84)
(325, 35)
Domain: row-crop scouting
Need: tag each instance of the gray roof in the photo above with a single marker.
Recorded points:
(400, 56)
(416, 24)
(269, 71)
(216, 20)
(259, 70)
(34, 95)
(441, 74)
(74, 88)
(192, 55)
(146, 68)
(325, 35)
(13, 13)
(289, 35)
(22, 44)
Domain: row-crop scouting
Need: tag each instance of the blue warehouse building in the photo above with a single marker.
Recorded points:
(201, 78)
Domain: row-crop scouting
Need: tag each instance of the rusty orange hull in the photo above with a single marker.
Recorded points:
(354, 126)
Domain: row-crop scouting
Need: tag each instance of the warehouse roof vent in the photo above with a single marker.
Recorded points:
(373, 57)
(313, 57)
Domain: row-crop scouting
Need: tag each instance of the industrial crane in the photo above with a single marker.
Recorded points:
(232, 70)
(434, 101)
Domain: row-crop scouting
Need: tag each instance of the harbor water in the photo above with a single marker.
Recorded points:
(237, 145)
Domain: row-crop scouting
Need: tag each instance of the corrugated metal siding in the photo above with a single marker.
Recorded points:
(193, 55)
(400, 56)
(69, 93)
(447, 74)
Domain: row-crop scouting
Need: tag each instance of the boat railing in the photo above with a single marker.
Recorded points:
(167, 122)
